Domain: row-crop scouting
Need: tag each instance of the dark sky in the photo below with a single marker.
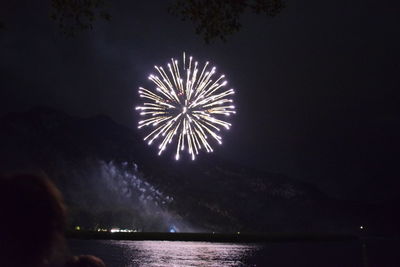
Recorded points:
(317, 86)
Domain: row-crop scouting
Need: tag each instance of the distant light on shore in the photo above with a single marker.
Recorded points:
(117, 230)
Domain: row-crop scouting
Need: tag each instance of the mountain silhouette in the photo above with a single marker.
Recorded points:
(110, 178)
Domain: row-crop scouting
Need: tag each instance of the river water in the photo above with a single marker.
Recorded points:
(177, 253)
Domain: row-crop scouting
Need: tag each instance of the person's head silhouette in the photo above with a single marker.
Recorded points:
(32, 221)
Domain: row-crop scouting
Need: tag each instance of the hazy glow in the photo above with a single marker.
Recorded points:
(187, 104)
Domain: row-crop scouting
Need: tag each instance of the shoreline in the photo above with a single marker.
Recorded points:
(214, 237)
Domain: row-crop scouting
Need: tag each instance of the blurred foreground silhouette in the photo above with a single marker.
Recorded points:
(33, 223)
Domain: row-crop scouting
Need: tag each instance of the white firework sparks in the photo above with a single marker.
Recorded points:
(188, 104)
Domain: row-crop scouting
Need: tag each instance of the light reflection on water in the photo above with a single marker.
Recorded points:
(282, 254)
(165, 253)
(176, 253)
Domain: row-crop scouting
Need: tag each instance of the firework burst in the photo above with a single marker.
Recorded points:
(186, 104)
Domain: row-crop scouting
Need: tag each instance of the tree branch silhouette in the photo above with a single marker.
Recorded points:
(74, 16)
(215, 19)
(212, 19)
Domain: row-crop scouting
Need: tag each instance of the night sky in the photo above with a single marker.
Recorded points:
(317, 86)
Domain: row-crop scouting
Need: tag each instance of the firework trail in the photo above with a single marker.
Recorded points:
(186, 104)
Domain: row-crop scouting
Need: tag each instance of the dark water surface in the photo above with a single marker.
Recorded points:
(177, 253)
